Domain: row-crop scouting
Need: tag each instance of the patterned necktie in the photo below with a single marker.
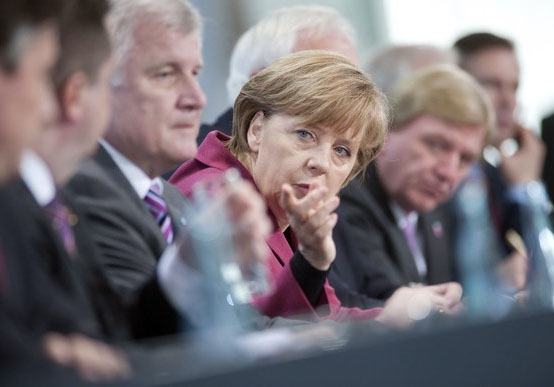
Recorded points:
(62, 221)
(158, 208)
(408, 226)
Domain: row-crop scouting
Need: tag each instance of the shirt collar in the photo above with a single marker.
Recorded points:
(402, 217)
(37, 177)
(139, 180)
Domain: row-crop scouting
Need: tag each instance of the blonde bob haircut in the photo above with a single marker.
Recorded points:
(445, 92)
(321, 88)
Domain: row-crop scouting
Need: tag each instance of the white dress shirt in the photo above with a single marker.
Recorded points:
(37, 177)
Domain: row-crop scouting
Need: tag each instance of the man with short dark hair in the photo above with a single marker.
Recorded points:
(491, 59)
(28, 51)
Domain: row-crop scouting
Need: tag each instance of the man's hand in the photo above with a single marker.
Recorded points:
(512, 271)
(526, 164)
(408, 304)
(93, 360)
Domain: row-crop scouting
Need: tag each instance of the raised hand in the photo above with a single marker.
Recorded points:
(525, 165)
(312, 219)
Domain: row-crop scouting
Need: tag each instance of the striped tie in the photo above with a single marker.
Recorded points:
(158, 208)
(409, 228)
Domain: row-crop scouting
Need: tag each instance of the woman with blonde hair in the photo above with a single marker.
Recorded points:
(302, 128)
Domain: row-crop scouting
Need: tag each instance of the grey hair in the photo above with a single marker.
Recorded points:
(275, 36)
(391, 64)
(125, 15)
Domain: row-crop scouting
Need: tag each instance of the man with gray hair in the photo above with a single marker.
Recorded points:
(156, 106)
(392, 232)
(284, 31)
(394, 62)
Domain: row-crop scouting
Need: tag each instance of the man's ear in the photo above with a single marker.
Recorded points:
(71, 97)
(255, 132)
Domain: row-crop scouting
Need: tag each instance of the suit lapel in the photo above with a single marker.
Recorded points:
(115, 174)
(280, 247)
(178, 206)
(381, 206)
(106, 303)
(437, 252)
(129, 194)
(58, 292)
(66, 272)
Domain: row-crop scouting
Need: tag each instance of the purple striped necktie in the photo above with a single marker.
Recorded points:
(62, 221)
(158, 208)
(410, 232)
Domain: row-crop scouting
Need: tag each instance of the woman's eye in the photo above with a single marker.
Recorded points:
(342, 151)
(303, 134)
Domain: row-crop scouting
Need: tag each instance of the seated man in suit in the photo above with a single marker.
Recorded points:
(28, 51)
(392, 62)
(493, 62)
(57, 236)
(131, 213)
(391, 231)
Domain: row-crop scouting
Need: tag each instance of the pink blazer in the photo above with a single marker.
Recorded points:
(287, 298)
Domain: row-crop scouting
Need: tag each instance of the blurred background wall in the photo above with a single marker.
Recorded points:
(529, 23)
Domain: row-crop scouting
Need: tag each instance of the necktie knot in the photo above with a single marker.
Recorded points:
(62, 220)
(158, 208)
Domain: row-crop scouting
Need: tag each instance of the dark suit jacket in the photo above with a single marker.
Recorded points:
(373, 257)
(547, 133)
(21, 359)
(44, 286)
(121, 225)
(504, 212)
(74, 294)
(23, 292)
